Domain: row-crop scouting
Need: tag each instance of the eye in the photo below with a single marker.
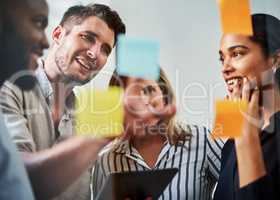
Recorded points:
(40, 22)
(106, 50)
(221, 59)
(148, 90)
(237, 54)
(88, 38)
(145, 91)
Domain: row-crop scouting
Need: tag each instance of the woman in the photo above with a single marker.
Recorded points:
(159, 144)
(250, 164)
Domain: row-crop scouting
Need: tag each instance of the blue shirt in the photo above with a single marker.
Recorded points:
(14, 183)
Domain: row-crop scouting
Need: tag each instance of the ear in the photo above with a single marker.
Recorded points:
(274, 60)
(58, 33)
(277, 58)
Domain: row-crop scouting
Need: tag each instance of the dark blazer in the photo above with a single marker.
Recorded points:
(265, 188)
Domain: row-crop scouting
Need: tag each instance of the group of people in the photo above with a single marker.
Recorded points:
(42, 158)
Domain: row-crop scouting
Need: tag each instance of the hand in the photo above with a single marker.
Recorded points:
(136, 120)
(252, 116)
(98, 143)
(248, 146)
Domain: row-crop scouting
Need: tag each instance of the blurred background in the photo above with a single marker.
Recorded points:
(188, 32)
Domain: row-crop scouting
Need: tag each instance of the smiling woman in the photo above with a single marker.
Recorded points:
(250, 164)
(160, 143)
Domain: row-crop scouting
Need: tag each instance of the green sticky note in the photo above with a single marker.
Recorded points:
(137, 57)
(100, 113)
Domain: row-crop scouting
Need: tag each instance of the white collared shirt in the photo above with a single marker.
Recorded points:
(198, 160)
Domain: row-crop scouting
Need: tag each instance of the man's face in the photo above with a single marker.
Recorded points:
(31, 24)
(23, 38)
(83, 50)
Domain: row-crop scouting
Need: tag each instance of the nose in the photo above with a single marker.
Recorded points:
(145, 99)
(227, 67)
(45, 43)
(94, 51)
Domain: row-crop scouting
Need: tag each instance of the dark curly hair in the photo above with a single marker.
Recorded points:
(77, 14)
(266, 32)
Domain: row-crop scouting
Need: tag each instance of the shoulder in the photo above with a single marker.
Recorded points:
(119, 147)
(10, 89)
(11, 97)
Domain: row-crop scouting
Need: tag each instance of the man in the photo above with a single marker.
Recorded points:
(30, 19)
(14, 56)
(81, 45)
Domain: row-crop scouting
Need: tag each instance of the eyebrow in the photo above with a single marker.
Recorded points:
(234, 47)
(237, 46)
(93, 34)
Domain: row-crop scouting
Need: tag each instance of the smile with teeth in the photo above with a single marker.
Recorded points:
(87, 66)
(234, 81)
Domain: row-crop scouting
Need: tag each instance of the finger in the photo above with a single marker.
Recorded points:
(236, 94)
(246, 90)
(236, 91)
(254, 103)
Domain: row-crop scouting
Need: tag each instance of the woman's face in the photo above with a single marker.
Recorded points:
(141, 98)
(241, 57)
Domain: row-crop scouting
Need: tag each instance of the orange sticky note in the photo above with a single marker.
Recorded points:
(100, 113)
(235, 16)
(230, 118)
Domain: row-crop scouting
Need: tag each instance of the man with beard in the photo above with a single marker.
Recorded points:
(15, 56)
(81, 45)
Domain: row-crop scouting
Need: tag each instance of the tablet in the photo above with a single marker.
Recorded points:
(136, 185)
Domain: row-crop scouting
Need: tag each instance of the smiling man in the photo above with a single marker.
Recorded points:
(81, 45)
(17, 31)
(25, 41)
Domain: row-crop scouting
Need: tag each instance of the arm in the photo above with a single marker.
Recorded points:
(248, 147)
(53, 169)
(254, 182)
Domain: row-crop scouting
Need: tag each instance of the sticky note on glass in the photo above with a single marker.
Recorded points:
(99, 113)
(137, 57)
(235, 16)
(230, 118)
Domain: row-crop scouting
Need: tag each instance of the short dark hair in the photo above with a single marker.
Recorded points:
(266, 32)
(77, 14)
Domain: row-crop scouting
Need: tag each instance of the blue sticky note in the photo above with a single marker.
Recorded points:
(138, 57)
